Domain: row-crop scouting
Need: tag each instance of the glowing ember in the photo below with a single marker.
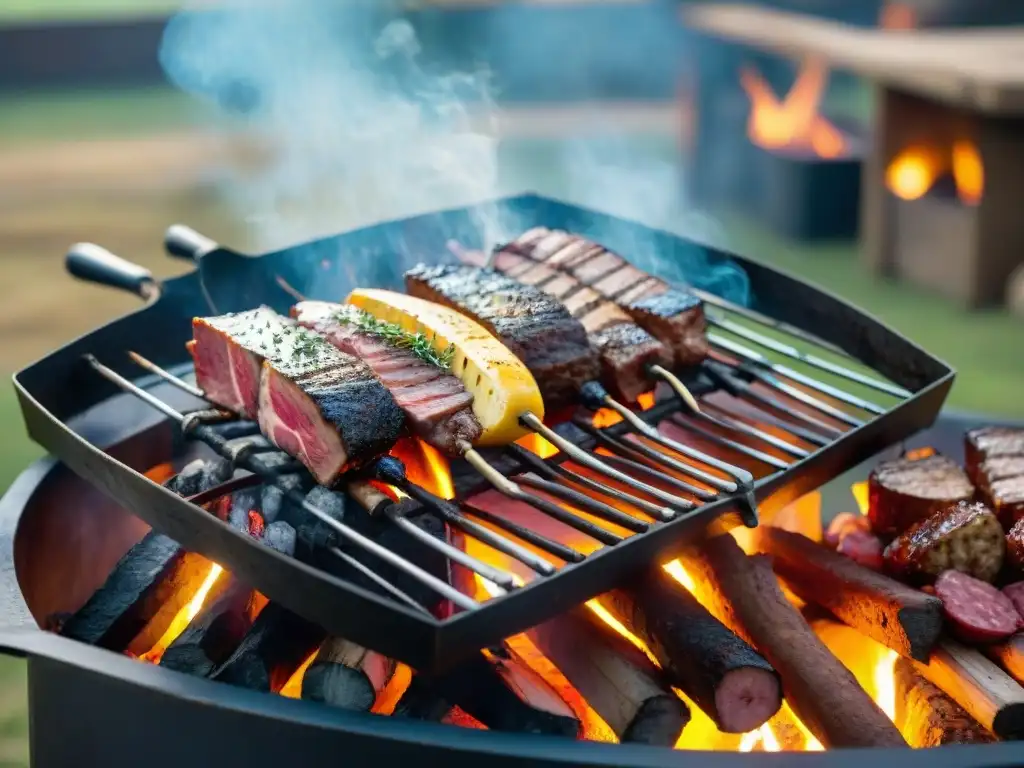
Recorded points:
(885, 686)
(538, 445)
(293, 688)
(256, 524)
(793, 123)
(968, 172)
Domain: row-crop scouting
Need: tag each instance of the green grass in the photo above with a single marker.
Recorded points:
(45, 10)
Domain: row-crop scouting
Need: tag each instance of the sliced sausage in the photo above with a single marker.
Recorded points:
(842, 524)
(989, 443)
(1016, 594)
(862, 547)
(977, 612)
(965, 537)
(904, 491)
(1001, 486)
(1015, 546)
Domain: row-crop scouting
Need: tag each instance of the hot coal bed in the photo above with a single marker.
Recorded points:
(483, 579)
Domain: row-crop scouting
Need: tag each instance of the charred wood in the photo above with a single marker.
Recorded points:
(744, 594)
(927, 717)
(617, 680)
(904, 619)
(730, 681)
(346, 675)
(991, 696)
(499, 691)
(272, 650)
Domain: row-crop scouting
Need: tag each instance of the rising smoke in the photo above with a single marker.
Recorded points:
(358, 127)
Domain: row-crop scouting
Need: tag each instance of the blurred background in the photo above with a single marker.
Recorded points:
(120, 117)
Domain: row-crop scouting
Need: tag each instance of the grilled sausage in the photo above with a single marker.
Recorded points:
(1001, 486)
(902, 492)
(1015, 592)
(1015, 546)
(964, 537)
(977, 612)
(989, 443)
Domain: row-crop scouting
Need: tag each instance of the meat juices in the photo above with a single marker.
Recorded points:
(436, 404)
(902, 492)
(228, 352)
(964, 537)
(625, 348)
(977, 612)
(536, 328)
(324, 407)
(674, 317)
(990, 443)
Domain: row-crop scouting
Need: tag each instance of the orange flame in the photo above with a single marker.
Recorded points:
(424, 466)
(793, 123)
(181, 621)
(914, 171)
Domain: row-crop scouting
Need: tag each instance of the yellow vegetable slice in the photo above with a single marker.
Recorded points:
(502, 387)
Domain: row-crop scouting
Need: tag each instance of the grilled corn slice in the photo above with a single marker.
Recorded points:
(502, 387)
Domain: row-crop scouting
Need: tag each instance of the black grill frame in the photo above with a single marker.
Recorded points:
(56, 391)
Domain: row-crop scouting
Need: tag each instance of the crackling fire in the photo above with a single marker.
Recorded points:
(914, 172)
(869, 662)
(795, 122)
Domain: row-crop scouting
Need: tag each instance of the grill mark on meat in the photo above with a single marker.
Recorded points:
(674, 317)
(625, 349)
(325, 407)
(436, 404)
(902, 492)
(534, 326)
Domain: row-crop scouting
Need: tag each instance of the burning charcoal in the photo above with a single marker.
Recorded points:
(276, 461)
(214, 633)
(190, 480)
(149, 585)
(1010, 655)
(503, 694)
(346, 675)
(927, 717)
(271, 499)
(314, 535)
(903, 618)
(723, 675)
(743, 593)
(280, 536)
(242, 503)
(216, 471)
(905, 491)
(615, 678)
(272, 650)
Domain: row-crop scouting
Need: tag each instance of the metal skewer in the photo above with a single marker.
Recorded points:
(380, 581)
(759, 360)
(808, 359)
(219, 444)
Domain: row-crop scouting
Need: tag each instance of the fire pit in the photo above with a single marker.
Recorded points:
(61, 538)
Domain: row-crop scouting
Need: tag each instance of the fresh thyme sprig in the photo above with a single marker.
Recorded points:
(398, 337)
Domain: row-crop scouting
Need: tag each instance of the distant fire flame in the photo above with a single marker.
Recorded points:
(794, 122)
(915, 170)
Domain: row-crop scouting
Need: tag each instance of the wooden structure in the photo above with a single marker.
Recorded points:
(953, 97)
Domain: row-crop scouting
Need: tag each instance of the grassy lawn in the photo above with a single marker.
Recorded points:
(42, 10)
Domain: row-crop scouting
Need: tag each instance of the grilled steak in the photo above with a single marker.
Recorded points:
(324, 407)
(535, 327)
(1000, 482)
(625, 348)
(228, 351)
(436, 404)
(902, 492)
(674, 317)
(990, 443)
(964, 537)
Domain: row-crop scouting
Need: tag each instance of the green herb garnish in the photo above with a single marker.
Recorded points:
(396, 336)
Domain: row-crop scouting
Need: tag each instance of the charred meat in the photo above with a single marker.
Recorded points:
(626, 349)
(964, 537)
(436, 404)
(324, 407)
(674, 317)
(229, 350)
(1000, 481)
(904, 491)
(535, 327)
(991, 443)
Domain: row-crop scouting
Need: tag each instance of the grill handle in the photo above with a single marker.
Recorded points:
(95, 264)
(185, 243)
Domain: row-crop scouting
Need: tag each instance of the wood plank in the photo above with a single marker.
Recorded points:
(982, 69)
